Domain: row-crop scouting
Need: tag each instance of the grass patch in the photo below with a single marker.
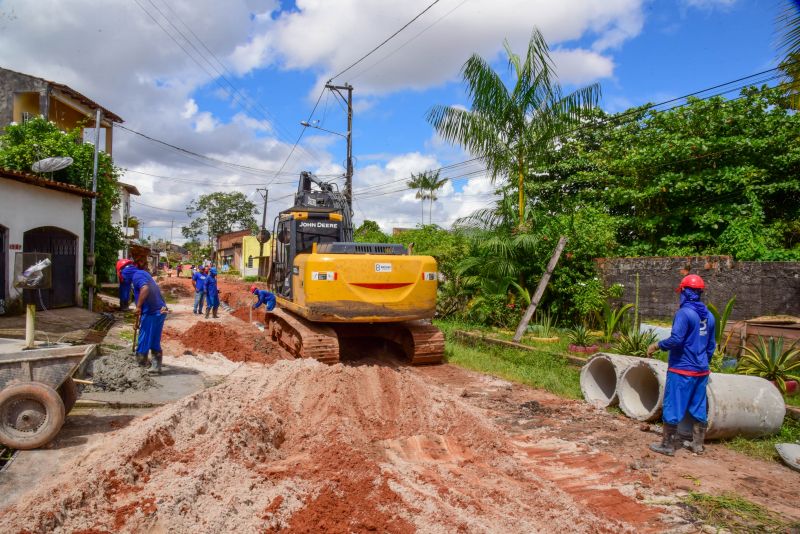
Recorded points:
(537, 369)
(733, 513)
(764, 448)
(127, 336)
(792, 400)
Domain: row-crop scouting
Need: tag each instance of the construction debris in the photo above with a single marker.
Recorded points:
(118, 371)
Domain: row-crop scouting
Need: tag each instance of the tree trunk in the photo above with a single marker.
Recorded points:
(551, 265)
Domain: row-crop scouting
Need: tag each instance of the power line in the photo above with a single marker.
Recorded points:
(365, 56)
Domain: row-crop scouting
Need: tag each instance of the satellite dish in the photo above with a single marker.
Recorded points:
(51, 164)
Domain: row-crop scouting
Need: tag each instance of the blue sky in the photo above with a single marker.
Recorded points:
(279, 54)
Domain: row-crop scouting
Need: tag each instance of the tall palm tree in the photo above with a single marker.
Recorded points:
(426, 183)
(513, 129)
(418, 182)
(789, 46)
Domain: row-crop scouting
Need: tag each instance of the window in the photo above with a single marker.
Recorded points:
(250, 262)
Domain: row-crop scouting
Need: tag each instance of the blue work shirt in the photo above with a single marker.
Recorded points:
(199, 280)
(210, 286)
(691, 343)
(265, 297)
(154, 302)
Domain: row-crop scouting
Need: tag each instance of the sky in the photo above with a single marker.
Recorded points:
(232, 81)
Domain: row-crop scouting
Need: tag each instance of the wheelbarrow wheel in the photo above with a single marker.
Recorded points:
(68, 393)
(31, 414)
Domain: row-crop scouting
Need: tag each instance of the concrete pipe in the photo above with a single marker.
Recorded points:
(641, 389)
(600, 377)
(741, 405)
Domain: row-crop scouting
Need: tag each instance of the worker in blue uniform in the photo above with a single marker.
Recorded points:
(152, 312)
(691, 345)
(212, 292)
(199, 282)
(264, 297)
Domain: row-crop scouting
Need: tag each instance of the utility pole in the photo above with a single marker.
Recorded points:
(91, 259)
(348, 184)
(263, 234)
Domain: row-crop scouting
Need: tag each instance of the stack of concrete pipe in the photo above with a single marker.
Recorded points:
(738, 405)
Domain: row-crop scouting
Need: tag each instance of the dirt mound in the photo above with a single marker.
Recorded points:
(177, 287)
(302, 447)
(209, 336)
(118, 371)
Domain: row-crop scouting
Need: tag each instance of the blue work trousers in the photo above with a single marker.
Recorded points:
(213, 301)
(685, 394)
(150, 329)
(199, 297)
(124, 295)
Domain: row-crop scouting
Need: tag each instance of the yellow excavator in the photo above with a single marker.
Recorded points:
(330, 288)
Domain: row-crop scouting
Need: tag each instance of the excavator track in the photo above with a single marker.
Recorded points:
(421, 342)
(302, 338)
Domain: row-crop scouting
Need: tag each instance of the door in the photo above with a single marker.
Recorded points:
(3, 268)
(63, 248)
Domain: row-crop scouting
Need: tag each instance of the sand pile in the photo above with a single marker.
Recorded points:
(214, 336)
(118, 371)
(302, 447)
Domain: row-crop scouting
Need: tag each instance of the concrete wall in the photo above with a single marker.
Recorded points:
(14, 82)
(24, 207)
(761, 288)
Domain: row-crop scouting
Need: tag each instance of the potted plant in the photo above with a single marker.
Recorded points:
(580, 340)
(769, 360)
(545, 328)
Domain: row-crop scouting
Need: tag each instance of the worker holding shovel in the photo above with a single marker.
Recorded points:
(691, 345)
(151, 312)
(264, 297)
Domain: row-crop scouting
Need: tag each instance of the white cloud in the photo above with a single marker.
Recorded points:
(579, 66)
(190, 109)
(306, 38)
(710, 4)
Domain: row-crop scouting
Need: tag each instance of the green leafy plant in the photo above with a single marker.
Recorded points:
(579, 335)
(721, 321)
(610, 320)
(545, 325)
(769, 360)
(635, 342)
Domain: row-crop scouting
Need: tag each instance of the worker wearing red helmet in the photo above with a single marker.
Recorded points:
(264, 297)
(124, 287)
(691, 345)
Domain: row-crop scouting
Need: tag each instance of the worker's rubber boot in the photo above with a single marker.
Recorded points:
(698, 438)
(667, 445)
(141, 359)
(208, 310)
(215, 313)
(155, 365)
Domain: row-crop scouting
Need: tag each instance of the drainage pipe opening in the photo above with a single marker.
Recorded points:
(641, 391)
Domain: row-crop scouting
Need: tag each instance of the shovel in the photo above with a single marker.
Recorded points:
(135, 333)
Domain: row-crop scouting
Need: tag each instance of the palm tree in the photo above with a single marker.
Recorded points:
(426, 183)
(789, 44)
(513, 129)
(418, 182)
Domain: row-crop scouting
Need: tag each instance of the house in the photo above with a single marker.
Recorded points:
(41, 215)
(228, 249)
(240, 251)
(122, 214)
(23, 96)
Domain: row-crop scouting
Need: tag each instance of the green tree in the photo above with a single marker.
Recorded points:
(514, 130)
(219, 213)
(789, 46)
(417, 182)
(23, 144)
(198, 250)
(370, 232)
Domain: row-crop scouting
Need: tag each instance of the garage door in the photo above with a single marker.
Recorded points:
(63, 248)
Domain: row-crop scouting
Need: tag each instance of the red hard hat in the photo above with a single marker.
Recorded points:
(121, 264)
(253, 288)
(693, 281)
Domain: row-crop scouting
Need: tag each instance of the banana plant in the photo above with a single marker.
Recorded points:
(769, 360)
(610, 320)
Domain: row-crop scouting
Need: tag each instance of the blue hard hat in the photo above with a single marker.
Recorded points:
(214, 270)
(127, 273)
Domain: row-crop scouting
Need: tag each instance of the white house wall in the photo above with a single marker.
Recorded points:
(24, 207)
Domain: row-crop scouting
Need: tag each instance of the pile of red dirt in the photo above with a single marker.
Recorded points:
(209, 336)
(303, 447)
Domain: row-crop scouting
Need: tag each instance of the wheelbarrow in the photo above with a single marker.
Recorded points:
(37, 392)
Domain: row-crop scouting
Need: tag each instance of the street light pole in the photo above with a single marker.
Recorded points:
(91, 258)
(262, 234)
(348, 184)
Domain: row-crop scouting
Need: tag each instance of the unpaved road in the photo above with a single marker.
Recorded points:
(376, 446)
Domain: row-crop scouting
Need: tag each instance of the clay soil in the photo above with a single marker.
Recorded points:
(377, 446)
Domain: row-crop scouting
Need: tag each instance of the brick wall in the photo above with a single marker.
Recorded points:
(761, 288)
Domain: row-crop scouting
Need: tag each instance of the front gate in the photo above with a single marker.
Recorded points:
(63, 249)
